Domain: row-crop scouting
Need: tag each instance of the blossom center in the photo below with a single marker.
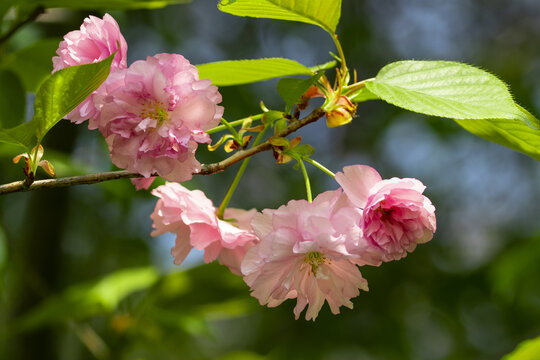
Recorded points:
(155, 110)
(314, 259)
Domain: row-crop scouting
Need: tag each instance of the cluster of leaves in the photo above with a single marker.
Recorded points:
(475, 99)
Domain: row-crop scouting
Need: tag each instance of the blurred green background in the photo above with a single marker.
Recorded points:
(81, 278)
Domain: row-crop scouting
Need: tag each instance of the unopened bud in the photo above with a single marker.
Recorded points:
(342, 112)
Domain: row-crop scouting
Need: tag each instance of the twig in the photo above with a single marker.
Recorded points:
(207, 169)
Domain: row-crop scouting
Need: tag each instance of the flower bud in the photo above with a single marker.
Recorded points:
(341, 113)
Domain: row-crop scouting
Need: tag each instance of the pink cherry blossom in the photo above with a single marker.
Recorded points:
(153, 116)
(96, 40)
(303, 254)
(192, 217)
(396, 216)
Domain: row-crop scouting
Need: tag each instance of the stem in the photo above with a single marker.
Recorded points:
(207, 169)
(342, 57)
(306, 179)
(320, 166)
(231, 128)
(327, 65)
(221, 210)
(233, 123)
(356, 86)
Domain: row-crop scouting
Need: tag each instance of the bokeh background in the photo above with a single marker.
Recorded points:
(81, 278)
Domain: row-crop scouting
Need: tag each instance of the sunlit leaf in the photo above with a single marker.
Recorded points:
(64, 90)
(33, 63)
(12, 99)
(324, 13)
(527, 350)
(511, 133)
(235, 72)
(445, 88)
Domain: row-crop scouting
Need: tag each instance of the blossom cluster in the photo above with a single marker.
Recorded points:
(309, 251)
(154, 113)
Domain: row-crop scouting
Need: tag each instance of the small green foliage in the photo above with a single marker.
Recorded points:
(22, 135)
(511, 133)
(236, 72)
(291, 90)
(304, 150)
(323, 13)
(64, 90)
(446, 89)
(56, 97)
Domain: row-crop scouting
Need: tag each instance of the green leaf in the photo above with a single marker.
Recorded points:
(33, 63)
(291, 90)
(527, 350)
(236, 72)
(12, 99)
(323, 13)
(511, 133)
(445, 88)
(64, 90)
(22, 135)
(363, 94)
(85, 300)
(107, 4)
(304, 150)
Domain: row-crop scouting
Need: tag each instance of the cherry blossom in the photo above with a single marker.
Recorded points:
(153, 116)
(192, 217)
(395, 215)
(95, 41)
(303, 255)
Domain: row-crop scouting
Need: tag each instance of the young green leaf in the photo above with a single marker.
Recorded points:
(22, 135)
(291, 90)
(64, 90)
(511, 133)
(323, 13)
(445, 88)
(235, 72)
(12, 99)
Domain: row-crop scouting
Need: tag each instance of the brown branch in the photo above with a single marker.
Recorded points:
(207, 169)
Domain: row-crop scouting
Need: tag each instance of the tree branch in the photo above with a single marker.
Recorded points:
(207, 169)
